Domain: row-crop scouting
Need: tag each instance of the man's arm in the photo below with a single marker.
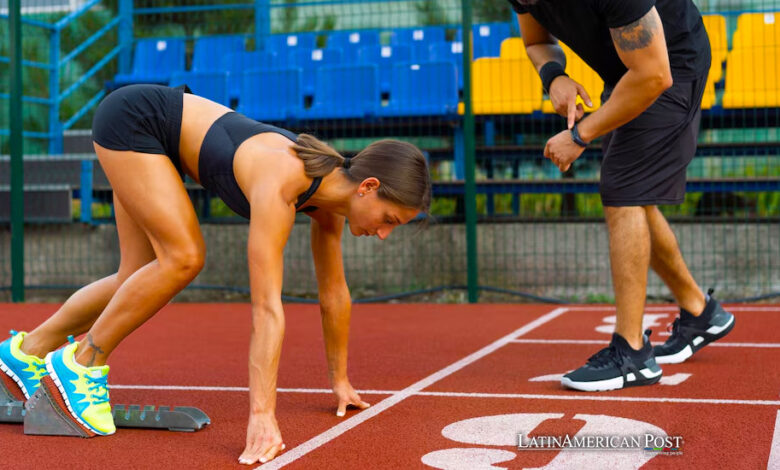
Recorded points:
(642, 48)
(540, 45)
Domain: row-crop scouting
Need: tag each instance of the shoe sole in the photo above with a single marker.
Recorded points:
(50, 368)
(699, 342)
(614, 383)
(15, 378)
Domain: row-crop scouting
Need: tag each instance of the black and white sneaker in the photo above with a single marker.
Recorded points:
(690, 333)
(616, 366)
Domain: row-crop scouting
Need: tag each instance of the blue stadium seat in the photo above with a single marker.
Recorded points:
(154, 61)
(384, 57)
(418, 39)
(238, 62)
(448, 51)
(309, 61)
(345, 91)
(424, 89)
(212, 85)
(351, 41)
(487, 38)
(284, 44)
(271, 94)
(210, 50)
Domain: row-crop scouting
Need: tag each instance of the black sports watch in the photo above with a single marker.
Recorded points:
(575, 137)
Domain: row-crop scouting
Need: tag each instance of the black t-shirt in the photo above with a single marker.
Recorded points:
(584, 26)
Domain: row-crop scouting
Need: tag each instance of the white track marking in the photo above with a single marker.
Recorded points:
(671, 309)
(334, 432)
(774, 451)
(604, 342)
(206, 388)
(674, 379)
(599, 397)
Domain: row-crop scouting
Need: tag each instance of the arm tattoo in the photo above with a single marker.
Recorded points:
(95, 350)
(636, 35)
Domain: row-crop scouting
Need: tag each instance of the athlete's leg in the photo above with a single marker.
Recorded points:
(667, 261)
(152, 194)
(81, 310)
(629, 256)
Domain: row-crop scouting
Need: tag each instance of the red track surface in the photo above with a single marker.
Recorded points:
(726, 410)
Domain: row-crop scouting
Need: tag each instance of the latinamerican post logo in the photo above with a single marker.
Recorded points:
(660, 444)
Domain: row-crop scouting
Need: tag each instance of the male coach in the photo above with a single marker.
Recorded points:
(653, 57)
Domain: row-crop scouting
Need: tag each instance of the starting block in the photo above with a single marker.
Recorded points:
(45, 413)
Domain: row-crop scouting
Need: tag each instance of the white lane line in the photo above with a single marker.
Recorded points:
(669, 309)
(334, 432)
(774, 451)
(604, 342)
(206, 388)
(596, 397)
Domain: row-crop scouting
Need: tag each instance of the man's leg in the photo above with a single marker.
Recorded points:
(629, 255)
(667, 261)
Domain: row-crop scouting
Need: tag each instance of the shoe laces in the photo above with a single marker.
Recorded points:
(609, 355)
(98, 388)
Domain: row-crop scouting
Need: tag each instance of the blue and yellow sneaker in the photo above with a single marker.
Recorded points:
(84, 389)
(25, 369)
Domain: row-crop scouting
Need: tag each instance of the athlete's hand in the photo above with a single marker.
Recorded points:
(347, 396)
(562, 150)
(263, 439)
(563, 94)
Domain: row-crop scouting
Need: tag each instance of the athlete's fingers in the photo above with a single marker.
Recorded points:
(580, 111)
(547, 150)
(271, 453)
(572, 112)
(585, 96)
(360, 404)
(342, 409)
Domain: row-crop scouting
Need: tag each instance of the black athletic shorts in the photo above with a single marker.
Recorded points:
(645, 160)
(142, 118)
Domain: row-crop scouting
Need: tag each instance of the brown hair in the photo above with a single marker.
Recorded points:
(399, 166)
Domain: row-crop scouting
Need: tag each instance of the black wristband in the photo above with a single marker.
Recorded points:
(575, 137)
(549, 72)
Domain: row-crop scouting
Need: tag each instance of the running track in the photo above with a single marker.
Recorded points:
(451, 386)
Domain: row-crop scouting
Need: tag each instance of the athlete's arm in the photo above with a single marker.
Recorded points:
(642, 48)
(335, 303)
(542, 48)
(268, 235)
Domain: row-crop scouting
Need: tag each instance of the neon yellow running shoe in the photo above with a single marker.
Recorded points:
(25, 369)
(84, 389)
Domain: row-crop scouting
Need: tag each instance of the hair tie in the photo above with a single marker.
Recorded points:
(347, 163)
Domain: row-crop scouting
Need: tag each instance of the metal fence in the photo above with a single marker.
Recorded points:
(506, 224)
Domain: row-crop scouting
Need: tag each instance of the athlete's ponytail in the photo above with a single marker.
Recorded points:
(319, 159)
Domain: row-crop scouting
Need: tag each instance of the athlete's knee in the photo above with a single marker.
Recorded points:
(185, 261)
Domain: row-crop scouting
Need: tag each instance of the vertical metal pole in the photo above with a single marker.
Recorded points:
(17, 168)
(262, 23)
(125, 35)
(55, 128)
(468, 134)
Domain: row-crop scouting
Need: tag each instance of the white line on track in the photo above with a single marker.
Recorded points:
(669, 309)
(774, 451)
(604, 342)
(334, 432)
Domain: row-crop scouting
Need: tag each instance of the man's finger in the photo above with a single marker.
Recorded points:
(585, 95)
(580, 111)
(571, 113)
(271, 453)
(361, 404)
(546, 150)
(342, 410)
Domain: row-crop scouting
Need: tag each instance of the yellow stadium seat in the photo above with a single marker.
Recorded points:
(757, 29)
(753, 78)
(708, 99)
(513, 48)
(716, 30)
(505, 86)
(580, 72)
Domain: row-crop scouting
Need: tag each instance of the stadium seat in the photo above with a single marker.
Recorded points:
(513, 48)
(212, 84)
(505, 86)
(309, 61)
(756, 29)
(210, 50)
(284, 44)
(345, 91)
(384, 57)
(351, 41)
(753, 78)
(580, 72)
(487, 38)
(154, 61)
(238, 62)
(419, 39)
(427, 88)
(716, 30)
(271, 94)
(448, 51)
